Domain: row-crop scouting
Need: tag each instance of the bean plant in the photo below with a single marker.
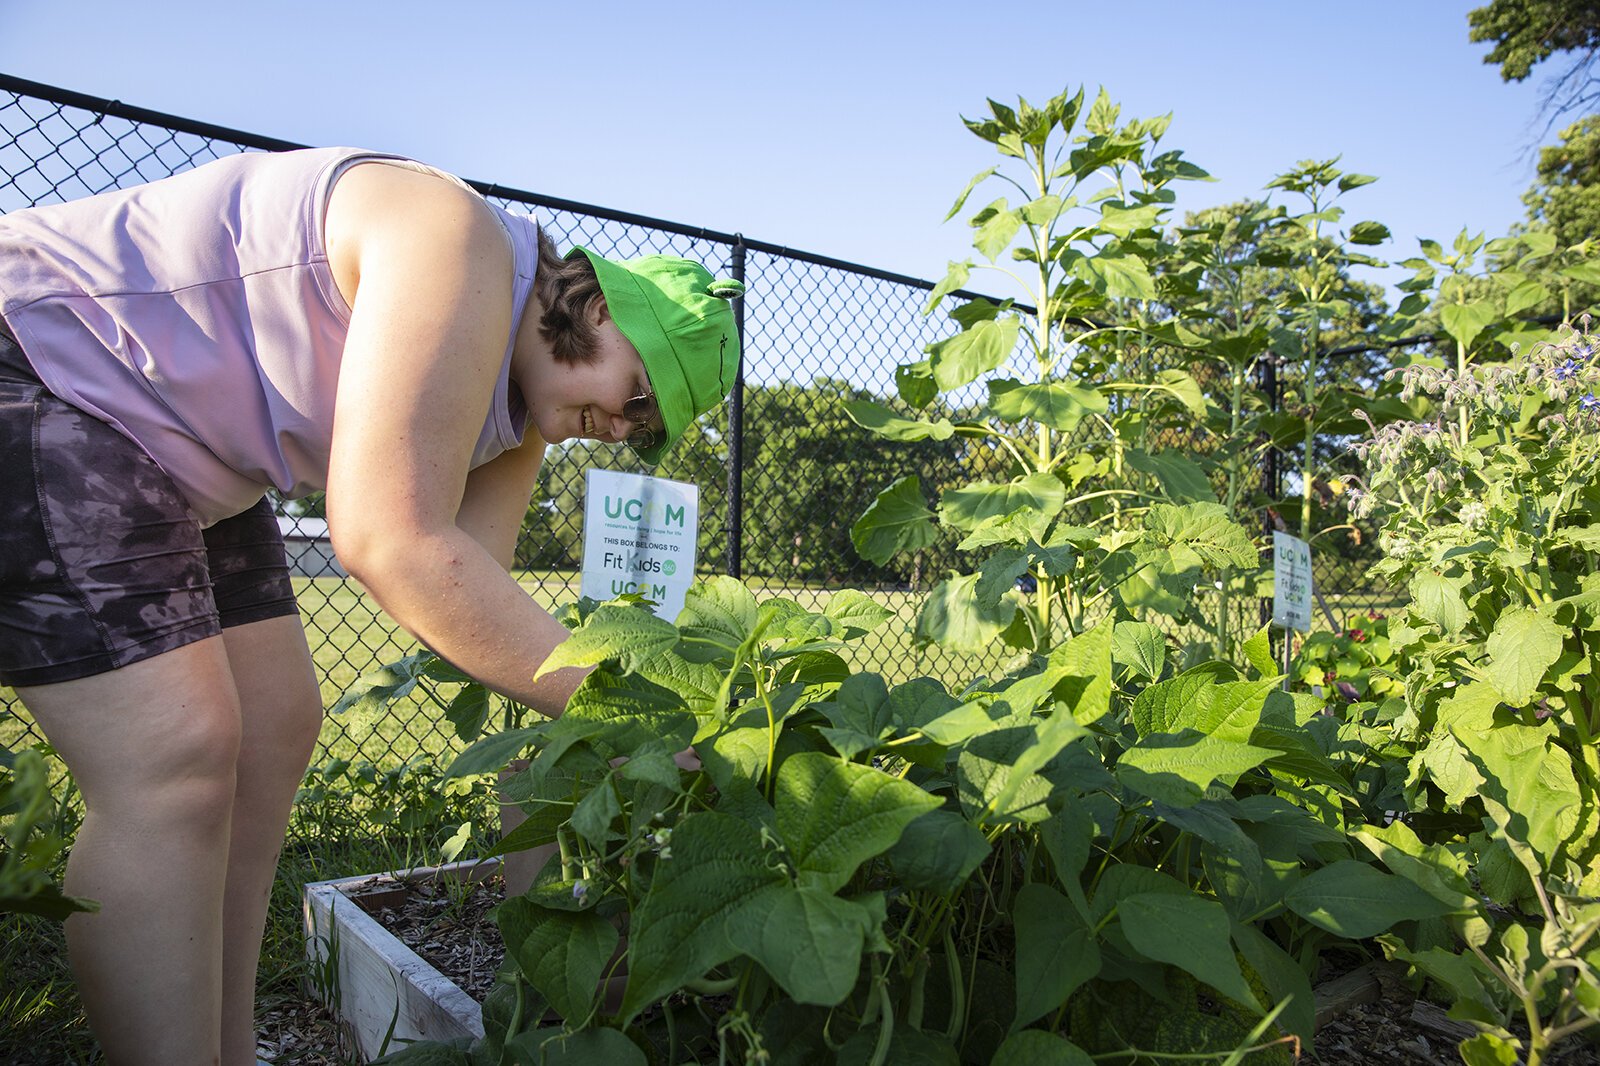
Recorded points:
(1099, 855)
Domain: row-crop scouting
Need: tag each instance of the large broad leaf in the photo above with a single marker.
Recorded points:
(808, 940)
(629, 712)
(718, 615)
(938, 852)
(898, 520)
(968, 355)
(834, 815)
(1188, 932)
(629, 636)
(1465, 321)
(1156, 709)
(1181, 478)
(1438, 599)
(855, 612)
(956, 617)
(718, 866)
(1059, 406)
(1352, 899)
(1141, 647)
(1283, 978)
(564, 958)
(885, 423)
(1056, 951)
(375, 690)
(1178, 769)
(490, 754)
(1042, 494)
(1205, 529)
(1522, 647)
(1035, 1047)
(1117, 274)
(1531, 790)
(583, 1048)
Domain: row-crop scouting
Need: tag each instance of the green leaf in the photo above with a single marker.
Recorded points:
(381, 687)
(1437, 599)
(1524, 296)
(1188, 932)
(719, 865)
(564, 958)
(961, 201)
(1122, 221)
(468, 711)
(897, 521)
(1531, 791)
(970, 354)
(1487, 1049)
(954, 278)
(999, 227)
(583, 1048)
(593, 815)
(627, 635)
(1178, 769)
(1369, 233)
(1464, 321)
(491, 754)
(1035, 1047)
(1181, 479)
(914, 382)
(628, 712)
(1258, 653)
(1157, 707)
(1061, 407)
(1041, 494)
(1185, 388)
(1141, 647)
(808, 940)
(834, 815)
(1056, 951)
(1522, 647)
(1283, 977)
(938, 852)
(956, 617)
(1116, 274)
(878, 419)
(1044, 210)
(1352, 899)
(856, 612)
(1207, 530)
(718, 615)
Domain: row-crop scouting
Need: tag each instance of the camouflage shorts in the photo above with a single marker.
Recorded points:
(101, 564)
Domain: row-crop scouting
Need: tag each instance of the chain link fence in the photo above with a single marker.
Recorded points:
(782, 472)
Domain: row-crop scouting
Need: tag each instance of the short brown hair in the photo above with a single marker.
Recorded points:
(565, 289)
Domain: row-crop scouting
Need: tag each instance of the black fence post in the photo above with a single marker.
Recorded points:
(735, 520)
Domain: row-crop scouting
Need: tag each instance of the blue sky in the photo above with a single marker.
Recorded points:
(827, 126)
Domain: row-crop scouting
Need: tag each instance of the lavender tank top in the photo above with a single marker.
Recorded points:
(198, 316)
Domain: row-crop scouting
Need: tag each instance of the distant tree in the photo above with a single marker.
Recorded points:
(1565, 195)
(1525, 33)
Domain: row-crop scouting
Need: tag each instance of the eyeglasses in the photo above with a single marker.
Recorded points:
(641, 411)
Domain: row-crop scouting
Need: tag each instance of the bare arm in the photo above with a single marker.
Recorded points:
(430, 318)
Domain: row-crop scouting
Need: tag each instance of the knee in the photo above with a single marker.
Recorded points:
(189, 776)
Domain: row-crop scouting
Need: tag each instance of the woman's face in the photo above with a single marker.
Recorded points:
(586, 400)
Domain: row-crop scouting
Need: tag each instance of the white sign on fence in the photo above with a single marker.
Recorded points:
(1291, 600)
(639, 535)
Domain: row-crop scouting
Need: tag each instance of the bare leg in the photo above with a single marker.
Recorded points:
(152, 747)
(281, 713)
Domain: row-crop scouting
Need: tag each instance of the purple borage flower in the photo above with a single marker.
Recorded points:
(1568, 370)
(1590, 404)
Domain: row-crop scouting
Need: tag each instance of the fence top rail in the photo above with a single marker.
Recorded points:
(118, 109)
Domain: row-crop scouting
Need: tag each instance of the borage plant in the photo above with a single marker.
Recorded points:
(1487, 512)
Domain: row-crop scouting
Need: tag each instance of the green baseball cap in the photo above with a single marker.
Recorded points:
(680, 321)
